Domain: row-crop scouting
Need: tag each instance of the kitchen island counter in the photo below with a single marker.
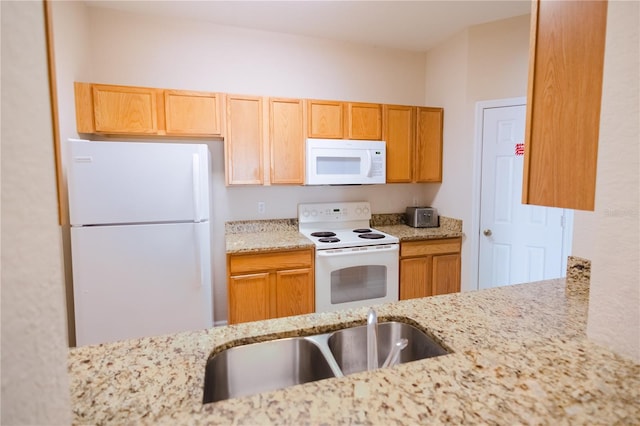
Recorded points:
(520, 356)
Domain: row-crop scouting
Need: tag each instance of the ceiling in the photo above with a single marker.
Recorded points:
(406, 25)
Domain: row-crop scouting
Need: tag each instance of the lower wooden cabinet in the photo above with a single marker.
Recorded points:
(430, 267)
(270, 285)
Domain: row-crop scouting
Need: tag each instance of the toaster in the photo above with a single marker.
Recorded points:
(422, 217)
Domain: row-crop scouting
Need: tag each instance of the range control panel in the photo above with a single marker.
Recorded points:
(334, 212)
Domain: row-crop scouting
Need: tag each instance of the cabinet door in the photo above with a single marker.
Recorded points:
(415, 277)
(399, 134)
(248, 298)
(286, 122)
(244, 141)
(564, 96)
(192, 113)
(446, 273)
(294, 292)
(364, 121)
(325, 119)
(428, 161)
(125, 110)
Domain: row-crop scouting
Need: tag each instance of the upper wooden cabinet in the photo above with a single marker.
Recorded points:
(564, 96)
(192, 113)
(117, 109)
(428, 148)
(364, 121)
(414, 143)
(325, 119)
(265, 141)
(127, 110)
(399, 133)
(265, 137)
(286, 141)
(244, 141)
(344, 120)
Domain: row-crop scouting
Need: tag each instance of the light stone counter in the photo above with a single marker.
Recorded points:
(282, 234)
(520, 357)
(264, 235)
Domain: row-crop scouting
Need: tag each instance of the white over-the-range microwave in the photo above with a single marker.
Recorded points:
(345, 162)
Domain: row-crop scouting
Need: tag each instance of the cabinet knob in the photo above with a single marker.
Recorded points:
(487, 232)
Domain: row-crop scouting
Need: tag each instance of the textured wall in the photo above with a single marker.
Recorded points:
(34, 354)
(483, 62)
(614, 303)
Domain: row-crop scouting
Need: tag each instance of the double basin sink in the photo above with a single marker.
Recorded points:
(276, 364)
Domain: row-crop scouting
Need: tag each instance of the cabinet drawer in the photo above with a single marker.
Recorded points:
(427, 247)
(243, 263)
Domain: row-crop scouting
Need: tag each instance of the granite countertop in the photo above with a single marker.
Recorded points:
(520, 357)
(282, 234)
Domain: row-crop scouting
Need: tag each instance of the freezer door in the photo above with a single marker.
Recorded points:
(130, 182)
(140, 280)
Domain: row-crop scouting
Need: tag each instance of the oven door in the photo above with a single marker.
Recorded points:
(355, 277)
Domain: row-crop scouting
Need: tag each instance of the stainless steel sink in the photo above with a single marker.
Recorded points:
(259, 367)
(349, 346)
(276, 364)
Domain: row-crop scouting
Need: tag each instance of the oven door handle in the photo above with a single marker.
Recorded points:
(357, 250)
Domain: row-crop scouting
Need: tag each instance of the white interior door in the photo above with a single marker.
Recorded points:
(518, 243)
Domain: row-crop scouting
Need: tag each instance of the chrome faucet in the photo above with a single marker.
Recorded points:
(372, 340)
(372, 344)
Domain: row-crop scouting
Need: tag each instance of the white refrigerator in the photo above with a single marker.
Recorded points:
(140, 239)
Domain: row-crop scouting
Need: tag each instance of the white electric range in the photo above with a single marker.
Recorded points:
(355, 265)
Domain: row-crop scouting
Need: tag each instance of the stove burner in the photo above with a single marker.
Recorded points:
(371, 236)
(362, 230)
(329, 239)
(323, 234)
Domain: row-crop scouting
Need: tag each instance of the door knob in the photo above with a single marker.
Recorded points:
(487, 232)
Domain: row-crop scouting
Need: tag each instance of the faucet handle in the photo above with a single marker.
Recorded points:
(394, 353)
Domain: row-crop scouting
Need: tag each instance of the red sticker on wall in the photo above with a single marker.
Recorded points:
(519, 149)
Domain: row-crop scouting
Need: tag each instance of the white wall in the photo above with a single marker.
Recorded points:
(35, 388)
(610, 236)
(483, 62)
(116, 47)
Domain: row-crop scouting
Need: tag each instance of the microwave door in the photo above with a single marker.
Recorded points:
(343, 167)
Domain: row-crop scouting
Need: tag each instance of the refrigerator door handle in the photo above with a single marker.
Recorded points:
(199, 262)
(196, 188)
